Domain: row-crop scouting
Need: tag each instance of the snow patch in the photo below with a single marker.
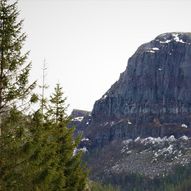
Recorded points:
(104, 96)
(168, 150)
(151, 51)
(85, 139)
(184, 137)
(151, 140)
(166, 41)
(78, 118)
(155, 48)
(154, 140)
(84, 149)
(172, 138)
(129, 122)
(184, 125)
(177, 39)
(137, 139)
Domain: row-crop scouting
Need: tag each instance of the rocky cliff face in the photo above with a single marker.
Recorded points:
(156, 83)
(152, 96)
(80, 119)
(142, 124)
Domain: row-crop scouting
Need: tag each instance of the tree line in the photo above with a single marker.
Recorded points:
(36, 149)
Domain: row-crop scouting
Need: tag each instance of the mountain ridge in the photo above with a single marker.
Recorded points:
(142, 124)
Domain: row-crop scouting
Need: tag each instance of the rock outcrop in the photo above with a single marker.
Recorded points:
(152, 96)
(155, 84)
(142, 124)
(80, 119)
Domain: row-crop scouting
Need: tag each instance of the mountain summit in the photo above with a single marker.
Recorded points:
(152, 96)
(156, 82)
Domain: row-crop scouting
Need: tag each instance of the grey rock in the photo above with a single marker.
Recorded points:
(152, 101)
(156, 82)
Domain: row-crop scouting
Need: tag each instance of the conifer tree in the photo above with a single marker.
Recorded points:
(12, 158)
(14, 72)
(33, 156)
(53, 163)
(40, 157)
(57, 107)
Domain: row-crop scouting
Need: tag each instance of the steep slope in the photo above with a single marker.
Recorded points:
(80, 119)
(142, 124)
(156, 82)
(152, 96)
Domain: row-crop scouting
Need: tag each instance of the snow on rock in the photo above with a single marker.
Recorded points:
(104, 96)
(151, 140)
(85, 139)
(168, 149)
(177, 39)
(184, 125)
(84, 149)
(172, 138)
(78, 118)
(152, 50)
(155, 48)
(129, 122)
(166, 41)
(137, 139)
(164, 151)
(155, 140)
(184, 137)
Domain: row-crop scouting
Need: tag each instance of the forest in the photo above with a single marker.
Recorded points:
(38, 150)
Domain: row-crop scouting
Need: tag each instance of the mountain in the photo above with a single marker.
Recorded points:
(156, 82)
(142, 124)
(152, 96)
(80, 119)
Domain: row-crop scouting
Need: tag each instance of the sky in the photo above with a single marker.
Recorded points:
(86, 43)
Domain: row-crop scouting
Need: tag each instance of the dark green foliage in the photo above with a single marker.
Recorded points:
(59, 168)
(39, 155)
(57, 107)
(36, 152)
(14, 73)
(12, 159)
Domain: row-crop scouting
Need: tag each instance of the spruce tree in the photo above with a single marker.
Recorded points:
(54, 165)
(14, 71)
(57, 107)
(40, 157)
(13, 159)
(33, 156)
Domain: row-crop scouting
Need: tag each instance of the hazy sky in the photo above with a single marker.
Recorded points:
(86, 43)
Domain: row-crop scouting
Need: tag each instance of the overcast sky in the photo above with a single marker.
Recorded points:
(87, 43)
